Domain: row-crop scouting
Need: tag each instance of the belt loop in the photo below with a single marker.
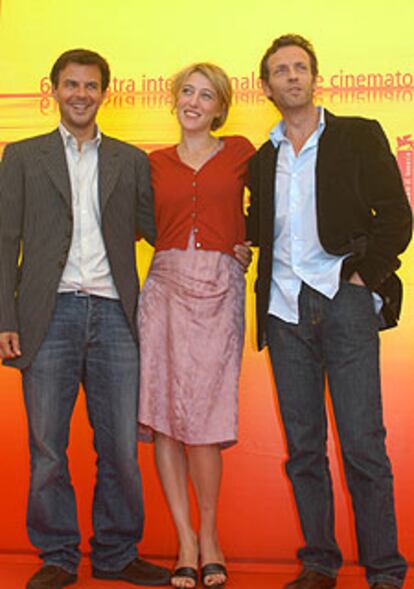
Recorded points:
(80, 293)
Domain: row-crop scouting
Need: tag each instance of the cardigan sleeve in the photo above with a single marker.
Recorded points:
(252, 221)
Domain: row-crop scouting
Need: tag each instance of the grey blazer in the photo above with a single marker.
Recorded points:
(36, 229)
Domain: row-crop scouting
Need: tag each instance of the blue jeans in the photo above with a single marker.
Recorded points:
(88, 342)
(338, 339)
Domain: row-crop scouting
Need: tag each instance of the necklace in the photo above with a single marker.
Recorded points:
(211, 148)
(197, 159)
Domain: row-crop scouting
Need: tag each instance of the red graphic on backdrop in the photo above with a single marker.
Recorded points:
(405, 159)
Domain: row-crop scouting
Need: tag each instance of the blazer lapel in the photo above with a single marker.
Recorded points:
(327, 153)
(54, 161)
(268, 174)
(109, 169)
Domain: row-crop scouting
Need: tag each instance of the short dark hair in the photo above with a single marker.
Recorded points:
(82, 57)
(288, 41)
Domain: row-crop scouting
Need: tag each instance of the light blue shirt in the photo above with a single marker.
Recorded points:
(298, 255)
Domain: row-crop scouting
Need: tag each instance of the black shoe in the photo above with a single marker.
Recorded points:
(137, 572)
(309, 579)
(51, 576)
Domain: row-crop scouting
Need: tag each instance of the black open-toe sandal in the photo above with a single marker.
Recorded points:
(213, 568)
(185, 573)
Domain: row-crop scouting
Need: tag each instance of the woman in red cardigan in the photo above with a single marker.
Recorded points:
(191, 314)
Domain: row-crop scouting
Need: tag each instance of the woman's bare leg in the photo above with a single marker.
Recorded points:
(172, 467)
(205, 464)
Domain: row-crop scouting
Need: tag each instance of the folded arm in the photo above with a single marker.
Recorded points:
(382, 187)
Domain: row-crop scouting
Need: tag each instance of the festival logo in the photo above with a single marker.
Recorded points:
(405, 159)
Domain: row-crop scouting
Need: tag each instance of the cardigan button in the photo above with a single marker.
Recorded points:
(198, 244)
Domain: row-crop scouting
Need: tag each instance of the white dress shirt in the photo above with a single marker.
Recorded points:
(87, 267)
(298, 255)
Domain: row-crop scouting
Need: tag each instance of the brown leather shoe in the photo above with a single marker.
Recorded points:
(51, 577)
(137, 572)
(384, 586)
(312, 580)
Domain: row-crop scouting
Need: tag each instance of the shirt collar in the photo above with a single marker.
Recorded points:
(69, 139)
(277, 134)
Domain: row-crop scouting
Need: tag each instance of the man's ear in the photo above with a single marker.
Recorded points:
(104, 95)
(266, 89)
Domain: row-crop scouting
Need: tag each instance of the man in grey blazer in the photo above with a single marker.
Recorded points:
(71, 203)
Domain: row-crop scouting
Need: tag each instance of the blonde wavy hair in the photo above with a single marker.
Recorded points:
(218, 79)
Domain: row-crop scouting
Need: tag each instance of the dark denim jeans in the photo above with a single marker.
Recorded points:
(88, 342)
(338, 339)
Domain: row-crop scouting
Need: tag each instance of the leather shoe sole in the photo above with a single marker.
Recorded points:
(51, 576)
(137, 572)
(309, 579)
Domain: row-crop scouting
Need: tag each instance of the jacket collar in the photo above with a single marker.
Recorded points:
(54, 160)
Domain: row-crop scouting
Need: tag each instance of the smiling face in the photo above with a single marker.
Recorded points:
(290, 84)
(79, 95)
(197, 104)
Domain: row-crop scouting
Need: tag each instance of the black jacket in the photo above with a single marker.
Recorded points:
(362, 210)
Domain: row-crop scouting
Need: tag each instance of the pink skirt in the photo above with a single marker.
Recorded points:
(191, 331)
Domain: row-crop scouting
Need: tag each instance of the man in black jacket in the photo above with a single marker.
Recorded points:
(329, 213)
